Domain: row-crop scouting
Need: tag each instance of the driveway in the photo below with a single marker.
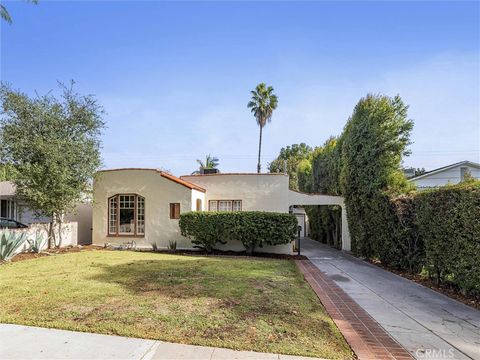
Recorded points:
(428, 324)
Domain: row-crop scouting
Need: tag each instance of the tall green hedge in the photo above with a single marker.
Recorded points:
(395, 238)
(436, 231)
(448, 219)
(252, 228)
(373, 142)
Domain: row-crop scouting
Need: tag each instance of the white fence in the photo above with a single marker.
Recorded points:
(69, 233)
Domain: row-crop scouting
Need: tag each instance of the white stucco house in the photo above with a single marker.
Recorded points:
(450, 174)
(144, 205)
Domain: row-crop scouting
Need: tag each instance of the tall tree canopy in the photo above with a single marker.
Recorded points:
(326, 166)
(6, 172)
(375, 139)
(292, 155)
(363, 164)
(262, 104)
(54, 146)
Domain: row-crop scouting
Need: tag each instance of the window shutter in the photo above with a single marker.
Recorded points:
(174, 210)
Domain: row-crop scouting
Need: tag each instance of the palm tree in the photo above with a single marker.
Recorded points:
(211, 162)
(262, 104)
(6, 16)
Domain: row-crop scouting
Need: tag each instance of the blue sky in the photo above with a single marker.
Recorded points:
(174, 77)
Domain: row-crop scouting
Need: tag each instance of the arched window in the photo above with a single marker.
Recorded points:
(126, 215)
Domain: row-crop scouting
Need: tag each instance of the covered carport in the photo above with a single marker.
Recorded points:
(296, 198)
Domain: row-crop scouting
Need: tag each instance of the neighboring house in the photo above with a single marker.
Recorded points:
(144, 205)
(13, 207)
(450, 174)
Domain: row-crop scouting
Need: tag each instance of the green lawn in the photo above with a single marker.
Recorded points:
(260, 305)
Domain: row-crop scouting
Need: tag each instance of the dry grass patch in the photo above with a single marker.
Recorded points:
(243, 304)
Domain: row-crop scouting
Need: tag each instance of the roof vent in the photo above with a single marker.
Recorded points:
(209, 171)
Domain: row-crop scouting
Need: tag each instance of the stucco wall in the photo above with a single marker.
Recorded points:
(265, 192)
(83, 216)
(158, 192)
(198, 195)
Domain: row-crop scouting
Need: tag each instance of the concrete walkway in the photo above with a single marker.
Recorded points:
(28, 342)
(428, 324)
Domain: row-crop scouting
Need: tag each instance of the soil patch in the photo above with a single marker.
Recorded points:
(49, 252)
(230, 253)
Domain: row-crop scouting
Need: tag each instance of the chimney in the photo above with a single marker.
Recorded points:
(209, 171)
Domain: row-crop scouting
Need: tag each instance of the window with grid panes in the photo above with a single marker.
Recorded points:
(126, 215)
(225, 205)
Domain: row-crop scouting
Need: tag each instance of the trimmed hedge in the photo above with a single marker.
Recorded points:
(435, 231)
(448, 219)
(394, 233)
(252, 228)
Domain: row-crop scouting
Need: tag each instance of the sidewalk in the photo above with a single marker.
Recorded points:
(28, 342)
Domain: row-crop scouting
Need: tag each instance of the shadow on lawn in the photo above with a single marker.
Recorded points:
(227, 280)
(245, 292)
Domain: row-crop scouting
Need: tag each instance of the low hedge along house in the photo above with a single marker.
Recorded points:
(144, 205)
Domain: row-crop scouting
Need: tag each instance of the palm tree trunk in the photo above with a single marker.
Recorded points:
(259, 166)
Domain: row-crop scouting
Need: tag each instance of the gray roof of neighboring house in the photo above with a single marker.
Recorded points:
(443, 168)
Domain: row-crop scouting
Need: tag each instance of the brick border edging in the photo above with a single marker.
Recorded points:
(364, 335)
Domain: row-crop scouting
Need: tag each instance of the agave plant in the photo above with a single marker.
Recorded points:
(172, 245)
(154, 245)
(10, 243)
(36, 245)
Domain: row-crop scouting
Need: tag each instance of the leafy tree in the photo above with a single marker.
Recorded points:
(305, 176)
(262, 104)
(292, 155)
(6, 172)
(374, 140)
(6, 16)
(54, 145)
(326, 166)
(320, 174)
(211, 162)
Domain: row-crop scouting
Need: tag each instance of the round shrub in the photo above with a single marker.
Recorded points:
(252, 228)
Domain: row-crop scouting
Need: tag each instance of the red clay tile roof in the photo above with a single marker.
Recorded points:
(220, 174)
(166, 176)
(181, 181)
